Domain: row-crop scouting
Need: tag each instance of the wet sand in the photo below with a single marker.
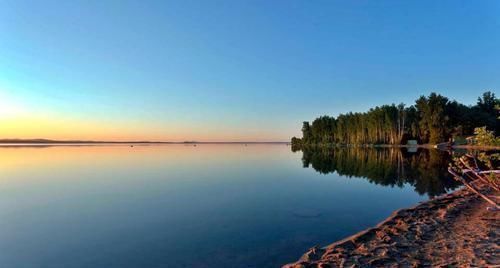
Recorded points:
(454, 230)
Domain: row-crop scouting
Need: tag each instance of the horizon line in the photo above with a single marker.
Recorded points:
(50, 141)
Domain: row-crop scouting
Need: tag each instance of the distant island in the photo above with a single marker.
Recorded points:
(432, 119)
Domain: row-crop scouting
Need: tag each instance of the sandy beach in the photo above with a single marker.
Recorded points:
(453, 230)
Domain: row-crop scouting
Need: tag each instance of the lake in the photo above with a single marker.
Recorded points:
(210, 205)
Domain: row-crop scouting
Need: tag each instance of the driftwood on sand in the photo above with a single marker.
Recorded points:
(467, 171)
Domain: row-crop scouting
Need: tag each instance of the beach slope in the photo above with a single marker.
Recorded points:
(453, 230)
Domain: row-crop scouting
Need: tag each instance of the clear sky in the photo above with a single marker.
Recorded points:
(231, 70)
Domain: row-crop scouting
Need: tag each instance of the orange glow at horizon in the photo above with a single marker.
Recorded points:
(67, 129)
(76, 129)
(21, 120)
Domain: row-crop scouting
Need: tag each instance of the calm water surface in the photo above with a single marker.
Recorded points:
(203, 206)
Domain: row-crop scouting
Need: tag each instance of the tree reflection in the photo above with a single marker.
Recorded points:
(425, 170)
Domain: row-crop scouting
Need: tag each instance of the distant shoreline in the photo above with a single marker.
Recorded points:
(83, 142)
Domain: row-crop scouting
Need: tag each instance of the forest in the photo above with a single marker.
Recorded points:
(430, 120)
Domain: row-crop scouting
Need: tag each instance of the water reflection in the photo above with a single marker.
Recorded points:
(425, 170)
(185, 206)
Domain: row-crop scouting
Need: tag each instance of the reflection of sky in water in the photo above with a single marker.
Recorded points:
(176, 206)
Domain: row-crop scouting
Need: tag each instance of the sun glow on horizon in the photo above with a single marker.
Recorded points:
(20, 120)
(15, 124)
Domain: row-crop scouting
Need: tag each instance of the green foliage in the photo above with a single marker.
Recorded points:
(306, 132)
(485, 137)
(432, 119)
(484, 160)
(296, 144)
(489, 160)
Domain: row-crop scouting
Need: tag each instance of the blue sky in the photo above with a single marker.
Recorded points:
(234, 70)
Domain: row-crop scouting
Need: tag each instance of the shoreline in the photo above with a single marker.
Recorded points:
(454, 229)
(425, 146)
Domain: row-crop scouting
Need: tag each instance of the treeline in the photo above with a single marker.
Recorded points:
(426, 170)
(432, 119)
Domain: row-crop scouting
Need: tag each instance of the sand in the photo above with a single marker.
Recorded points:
(454, 230)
